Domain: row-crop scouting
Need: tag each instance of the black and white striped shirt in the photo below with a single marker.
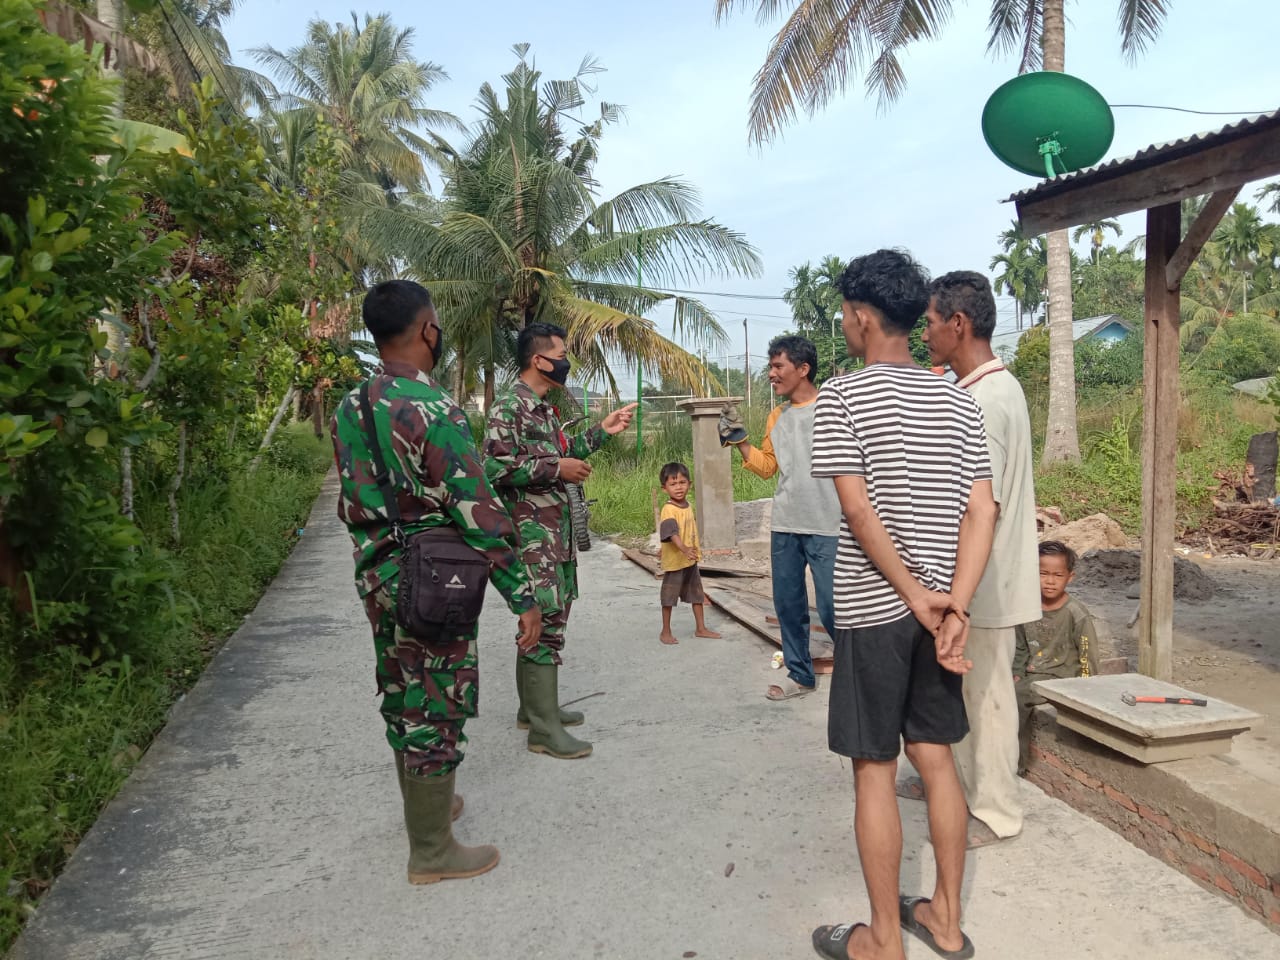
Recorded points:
(919, 443)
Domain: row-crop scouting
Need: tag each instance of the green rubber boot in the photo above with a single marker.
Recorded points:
(400, 775)
(541, 698)
(568, 718)
(434, 854)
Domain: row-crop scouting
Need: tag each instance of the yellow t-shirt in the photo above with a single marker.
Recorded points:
(683, 523)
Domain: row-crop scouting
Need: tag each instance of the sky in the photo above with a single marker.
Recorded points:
(851, 179)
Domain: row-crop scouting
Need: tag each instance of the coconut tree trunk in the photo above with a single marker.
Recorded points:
(460, 376)
(175, 526)
(1061, 441)
(111, 13)
(317, 411)
(489, 384)
(126, 481)
(271, 429)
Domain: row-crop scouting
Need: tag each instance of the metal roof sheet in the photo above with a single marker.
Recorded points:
(1149, 156)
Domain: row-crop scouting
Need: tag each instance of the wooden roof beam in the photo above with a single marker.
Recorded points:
(1197, 235)
(1214, 169)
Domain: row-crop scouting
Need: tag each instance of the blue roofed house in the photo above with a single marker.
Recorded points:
(1108, 328)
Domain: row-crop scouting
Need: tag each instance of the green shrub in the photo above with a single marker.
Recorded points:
(1241, 348)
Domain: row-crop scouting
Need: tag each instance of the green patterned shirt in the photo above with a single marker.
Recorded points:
(437, 474)
(523, 444)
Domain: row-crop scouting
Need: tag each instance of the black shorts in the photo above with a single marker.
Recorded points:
(887, 683)
(684, 584)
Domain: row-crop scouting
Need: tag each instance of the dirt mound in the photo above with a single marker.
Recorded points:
(1096, 532)
(1120, 570)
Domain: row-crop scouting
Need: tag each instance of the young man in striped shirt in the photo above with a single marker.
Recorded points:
(908, 455)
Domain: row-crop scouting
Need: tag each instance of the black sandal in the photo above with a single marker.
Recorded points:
(831, 942)
(907, 916)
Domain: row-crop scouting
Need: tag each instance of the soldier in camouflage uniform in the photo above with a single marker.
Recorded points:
(529, 460)
(429, 684)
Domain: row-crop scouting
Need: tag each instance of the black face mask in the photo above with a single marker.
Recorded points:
(559, 372)
(438, 348)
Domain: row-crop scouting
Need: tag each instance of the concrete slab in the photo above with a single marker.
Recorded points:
(264, 822)
(1149, 732)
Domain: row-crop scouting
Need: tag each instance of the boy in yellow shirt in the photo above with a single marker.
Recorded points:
(678, 531)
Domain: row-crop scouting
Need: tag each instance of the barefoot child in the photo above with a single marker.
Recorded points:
(1062, 643)
(678, 531)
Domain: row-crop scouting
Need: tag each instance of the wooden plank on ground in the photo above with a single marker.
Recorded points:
(741, 606)
(720, 569)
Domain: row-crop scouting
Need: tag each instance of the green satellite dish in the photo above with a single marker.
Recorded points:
(1047, 123)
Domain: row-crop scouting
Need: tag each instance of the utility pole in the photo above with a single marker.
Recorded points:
(834, 348)
(746, 361)
(639, 365)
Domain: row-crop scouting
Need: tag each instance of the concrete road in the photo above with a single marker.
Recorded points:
(264, 822)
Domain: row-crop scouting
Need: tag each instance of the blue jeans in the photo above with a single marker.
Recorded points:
(791, 553)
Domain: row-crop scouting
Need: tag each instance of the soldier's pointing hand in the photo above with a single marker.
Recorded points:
(619, 420)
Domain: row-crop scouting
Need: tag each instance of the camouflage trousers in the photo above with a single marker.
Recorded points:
(429, 687)
(555, 587)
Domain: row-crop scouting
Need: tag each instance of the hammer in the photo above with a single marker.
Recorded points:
(1130, 699)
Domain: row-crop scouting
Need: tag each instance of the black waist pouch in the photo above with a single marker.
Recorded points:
(442, 578)
(442, 583)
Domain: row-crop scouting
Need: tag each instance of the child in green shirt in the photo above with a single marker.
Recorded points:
(1062, 643)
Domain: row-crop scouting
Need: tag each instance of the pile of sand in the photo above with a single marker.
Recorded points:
(1121, 570)
(1096, 532)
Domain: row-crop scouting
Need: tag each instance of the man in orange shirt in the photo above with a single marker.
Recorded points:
(806, 512)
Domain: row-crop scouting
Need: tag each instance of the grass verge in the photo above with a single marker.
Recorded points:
(622, 482)
(71, 729)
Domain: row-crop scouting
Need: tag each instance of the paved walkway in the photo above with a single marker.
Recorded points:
(264, 822)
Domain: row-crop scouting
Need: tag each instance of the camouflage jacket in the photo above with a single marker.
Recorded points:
(523, 444)
(438, 476)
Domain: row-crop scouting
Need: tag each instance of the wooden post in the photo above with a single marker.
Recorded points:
(1159, 445)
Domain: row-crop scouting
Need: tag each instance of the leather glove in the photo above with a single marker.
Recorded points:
(731, 427)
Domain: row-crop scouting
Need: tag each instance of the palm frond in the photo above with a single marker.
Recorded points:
(672, 254)
(1017, 26)
(646, 205)
(598, 334)
(1140, 23)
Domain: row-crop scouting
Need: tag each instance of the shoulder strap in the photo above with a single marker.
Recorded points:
(381, 476)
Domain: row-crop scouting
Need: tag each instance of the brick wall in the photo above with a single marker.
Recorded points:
(1143, 823)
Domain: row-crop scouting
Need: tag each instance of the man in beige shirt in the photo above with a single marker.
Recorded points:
(958, 325)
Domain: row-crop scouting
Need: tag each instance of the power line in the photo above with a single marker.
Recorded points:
(733, 296)
(1203, 113)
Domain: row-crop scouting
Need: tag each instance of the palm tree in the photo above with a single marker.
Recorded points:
(187, 38)
(1095, 231)
(1245, 239)
(825, 43)
(178, 40)
(521, 238)
(363, 80)
(1271, 190)
(1023, 266)
(814, 294)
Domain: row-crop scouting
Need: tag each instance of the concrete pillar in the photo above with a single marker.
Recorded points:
(712, 473)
